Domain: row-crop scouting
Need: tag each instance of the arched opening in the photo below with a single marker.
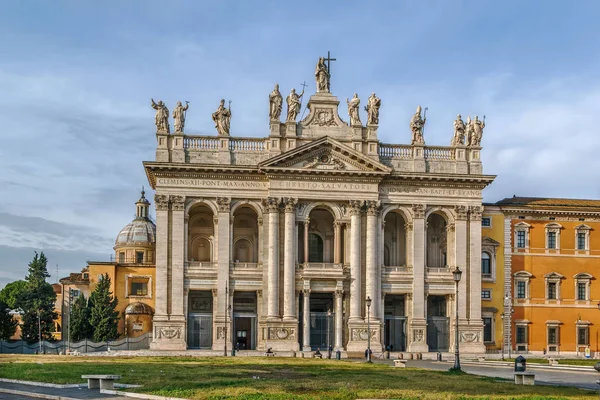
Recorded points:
(436, 241)
(200, 234)
(315, 248)
(245, 235)
(320, 236)
(395, 240)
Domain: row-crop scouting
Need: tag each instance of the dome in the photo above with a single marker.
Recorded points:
(137, 231)
(139, 308)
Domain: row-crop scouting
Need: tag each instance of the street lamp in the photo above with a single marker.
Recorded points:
(328, 345)
(456, 274)
(227, 311)
(368, 301)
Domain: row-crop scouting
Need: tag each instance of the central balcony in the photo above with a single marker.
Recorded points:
(320, 269)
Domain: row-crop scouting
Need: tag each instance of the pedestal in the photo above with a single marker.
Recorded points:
(168, 335)
(418, 337)
(280, 335)
(359, 337)
(471, 338)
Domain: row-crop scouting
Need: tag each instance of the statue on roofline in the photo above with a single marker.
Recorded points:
(322, 76)
(294, 105)
(459, 132)
(477, 131)
(353, 110)
(179, 116)
(222, 118)
(372, 109)
(161, 119)
(275, 102)
(417, 123)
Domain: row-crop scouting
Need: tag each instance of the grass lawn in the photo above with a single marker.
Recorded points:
(279, 378)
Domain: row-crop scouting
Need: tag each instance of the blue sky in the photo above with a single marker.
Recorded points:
(76, 80)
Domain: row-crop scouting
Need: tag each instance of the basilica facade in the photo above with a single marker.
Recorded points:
(317, 235)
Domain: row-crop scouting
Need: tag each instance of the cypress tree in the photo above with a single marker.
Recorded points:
(80, 327)
(104, 317)
(37, 301)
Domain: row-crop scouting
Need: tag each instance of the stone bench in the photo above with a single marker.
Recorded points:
(101, 381)
(552, 361)
(480, 359)
(524, 378)
(269, 354)
(399, 363)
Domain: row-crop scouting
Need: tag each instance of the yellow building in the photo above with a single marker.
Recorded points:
(554, 257)
(132, 275)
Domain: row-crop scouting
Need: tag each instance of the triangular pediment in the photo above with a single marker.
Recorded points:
(324, 155)
(488, 241)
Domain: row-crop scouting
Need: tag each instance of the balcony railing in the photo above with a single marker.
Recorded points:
(200, 265)
(245, 265)
(438, 270)
(201, 143)
(314, 265)
(246, 144)
(439, 153)
(395, 151)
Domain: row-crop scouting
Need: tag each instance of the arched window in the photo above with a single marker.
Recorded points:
(486, 264)
(315, 248)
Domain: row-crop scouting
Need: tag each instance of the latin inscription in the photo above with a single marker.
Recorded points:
(205, 183)
(322, 185)
(430, 191)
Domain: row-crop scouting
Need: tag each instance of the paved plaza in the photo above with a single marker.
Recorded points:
(68, 393)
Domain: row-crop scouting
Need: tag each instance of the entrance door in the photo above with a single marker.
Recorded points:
(244, 328)
(438, 333)
(321, 330)
(395, 333)
(200, 331)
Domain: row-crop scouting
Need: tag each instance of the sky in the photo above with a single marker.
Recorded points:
(76, 79)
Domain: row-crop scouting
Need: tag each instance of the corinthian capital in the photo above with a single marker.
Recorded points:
(271, 204)
(223, 204)
(177, 203)
(418, 211)
(373, 207)
(475, 212)
(161, 201)
(290, 204)
(355, 206)
(461, 212)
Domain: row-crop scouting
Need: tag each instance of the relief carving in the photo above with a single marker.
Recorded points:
(223, 204)
(161, 201)
(356, 206)
(282, 334)
(373, 207)
(168, 332)
(475, 213)
(290, 204)
(220, 333)
(469, 337)
(358, 334)
(418, 335)
(418, 211)
(461, 212)
(177, 203)
(271, 204)
(324, 117)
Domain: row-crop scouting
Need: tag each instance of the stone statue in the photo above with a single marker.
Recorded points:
(469, 131)
(353, 110)
(459, 132)
(322, 76)
(416, 126)
(179, 116)
(294, 105)
(161, 119)
(222, 118)
(477, 131)
(275, 102)
(372, 109)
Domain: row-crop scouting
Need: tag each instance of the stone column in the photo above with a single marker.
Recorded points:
(177, 256)
(306, 320)
(355, 273)
(223, 232)
(272, 207)
(162, 267)
(371, 284)
(460, 253)
(475, 321)
(306, 224)
(337, 248)
(289, 270)
(418, 325)
(339, 313)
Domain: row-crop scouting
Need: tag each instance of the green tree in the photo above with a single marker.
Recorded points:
(104, 317)
(12, 292)
(80, 326)
(37, 302)
(8, 325)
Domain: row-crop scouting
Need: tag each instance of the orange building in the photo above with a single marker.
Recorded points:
(554, 260)
(132, 276)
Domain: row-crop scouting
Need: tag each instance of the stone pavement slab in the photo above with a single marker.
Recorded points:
(74, 393)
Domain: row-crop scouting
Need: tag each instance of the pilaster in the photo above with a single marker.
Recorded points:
(460, 252)
(223, 260)
(418, 323)
(289, 270)
(472, 338)
(178, 153)
(272, 207)
(355, 261)
(371, 286)
(177, 256)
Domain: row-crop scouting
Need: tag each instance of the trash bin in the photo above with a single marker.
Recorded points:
(338, 355)
(520, 364)
(439, 356)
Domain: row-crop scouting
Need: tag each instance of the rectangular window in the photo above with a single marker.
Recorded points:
(521, 239)
(581, 241)
(486, 265)
(552, 335)
(583, 336)
(581, 291)
(487, 329)
(552, 240)
(551, 290)
(522, 334)
(139, 288)
(486, 221)
(520, 290)
(486, 294)
(121, 257)
(139, 257)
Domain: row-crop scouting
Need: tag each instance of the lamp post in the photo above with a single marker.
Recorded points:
(457, 274)
(368, 302)
(328, 345)
(227, 310)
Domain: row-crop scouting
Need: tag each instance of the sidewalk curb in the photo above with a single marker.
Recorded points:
(44, 384)
(572, 368)
(36, 395)
(139, 395)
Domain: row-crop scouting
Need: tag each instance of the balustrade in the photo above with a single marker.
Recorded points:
(395, 151)
(439, 153)
(200, 143)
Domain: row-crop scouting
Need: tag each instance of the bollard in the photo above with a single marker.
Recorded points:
(338, 355)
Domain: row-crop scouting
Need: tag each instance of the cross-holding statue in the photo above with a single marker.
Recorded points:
(179, 116)
(161, 119)
(417, 123)
(459, 132)
(222, 118)
(353, 110)
(275, 102)
(294, 105)
(323, 73)
(372, 109)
